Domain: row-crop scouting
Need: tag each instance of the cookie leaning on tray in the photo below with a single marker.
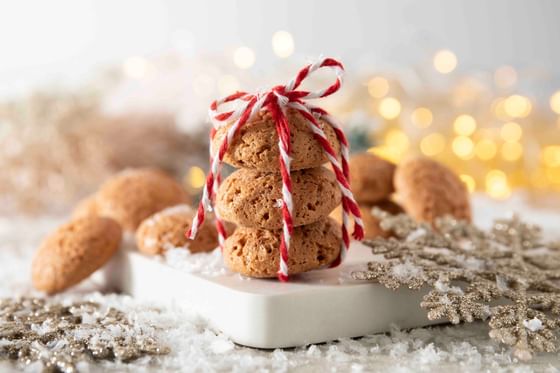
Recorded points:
(130, 202)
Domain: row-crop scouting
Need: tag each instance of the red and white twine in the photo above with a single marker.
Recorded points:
(276, 101)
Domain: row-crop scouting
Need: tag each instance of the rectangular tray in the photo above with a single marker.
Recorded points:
(314, 307)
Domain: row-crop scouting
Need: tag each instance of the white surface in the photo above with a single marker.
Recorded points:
(318, 306)
(198, 347)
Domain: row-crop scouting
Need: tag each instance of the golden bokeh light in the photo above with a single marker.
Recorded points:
(432, 144)
(397, 139)
(511, 132)
(511, 151)
(517, 106)
(389, 108)
(497, 185)
(387, 152)
(464, 125)
(378, 87)
(485, 149)
(195, 177)
(550, 156)
(422, 117)
(555, 102)
(445, 61)
(283, 44)
(469, 182)
(244, 57)
(463, 147)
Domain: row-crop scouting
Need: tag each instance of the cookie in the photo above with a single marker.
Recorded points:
(371, 177)
(166, 229)
(371, 223)
(86, 207)
(427, 189)
(73, 252)
(253, 198)
(255, 252)
(133, 195)
(256, 144)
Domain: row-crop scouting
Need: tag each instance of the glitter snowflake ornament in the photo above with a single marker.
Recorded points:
(506, 276)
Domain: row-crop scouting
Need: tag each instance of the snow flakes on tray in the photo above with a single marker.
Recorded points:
(208, 264)
(506, 276)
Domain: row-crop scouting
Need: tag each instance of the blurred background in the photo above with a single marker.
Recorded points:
(90, 87)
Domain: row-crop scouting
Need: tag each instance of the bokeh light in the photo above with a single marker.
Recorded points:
(463, 147)
(136, 67)
(555, 102)
(432, 144)
(511, 132)
(196, 177)
(517, 106)
(283, 44)
(389, 108)
(497, 185)
(378, 87)
(422, 117)
(445, 61)
(464, 125)
(227, 84)
(244, 57)
(550, 155)
(485, 149)
(511, 151)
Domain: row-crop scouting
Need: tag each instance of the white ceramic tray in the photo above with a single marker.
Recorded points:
(315, 307)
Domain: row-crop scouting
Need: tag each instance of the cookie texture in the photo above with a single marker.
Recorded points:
(255, 252)
(256, 143)
(86, 207)
(73, 252)
(427, 189)
(133, 195)
(371, 177)
(371, 223)
(253, 198)
(166, 230)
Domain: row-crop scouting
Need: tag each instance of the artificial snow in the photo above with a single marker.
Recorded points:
(533, 325)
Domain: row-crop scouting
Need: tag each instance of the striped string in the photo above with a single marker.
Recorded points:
(277, 101)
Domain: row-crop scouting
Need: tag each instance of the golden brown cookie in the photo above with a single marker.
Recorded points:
(133, 195)
(86, 207)
(255, 252)
(371, 223)
(256, 143)
(253, 198)
(371, 177)
(427, 189)
(166, 229)
(73, 252)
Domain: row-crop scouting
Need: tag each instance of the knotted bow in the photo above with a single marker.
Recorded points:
(276, 101)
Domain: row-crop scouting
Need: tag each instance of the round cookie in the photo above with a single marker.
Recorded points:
(427, 189)
(371, 223)
(86, 207)
(255, 252)
(253, 198)
(371, 177)
(133, 195)
(73, 252)
(166, 229)
(256, 143)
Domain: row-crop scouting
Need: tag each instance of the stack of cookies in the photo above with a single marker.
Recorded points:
(251, 197)
(371, 178)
